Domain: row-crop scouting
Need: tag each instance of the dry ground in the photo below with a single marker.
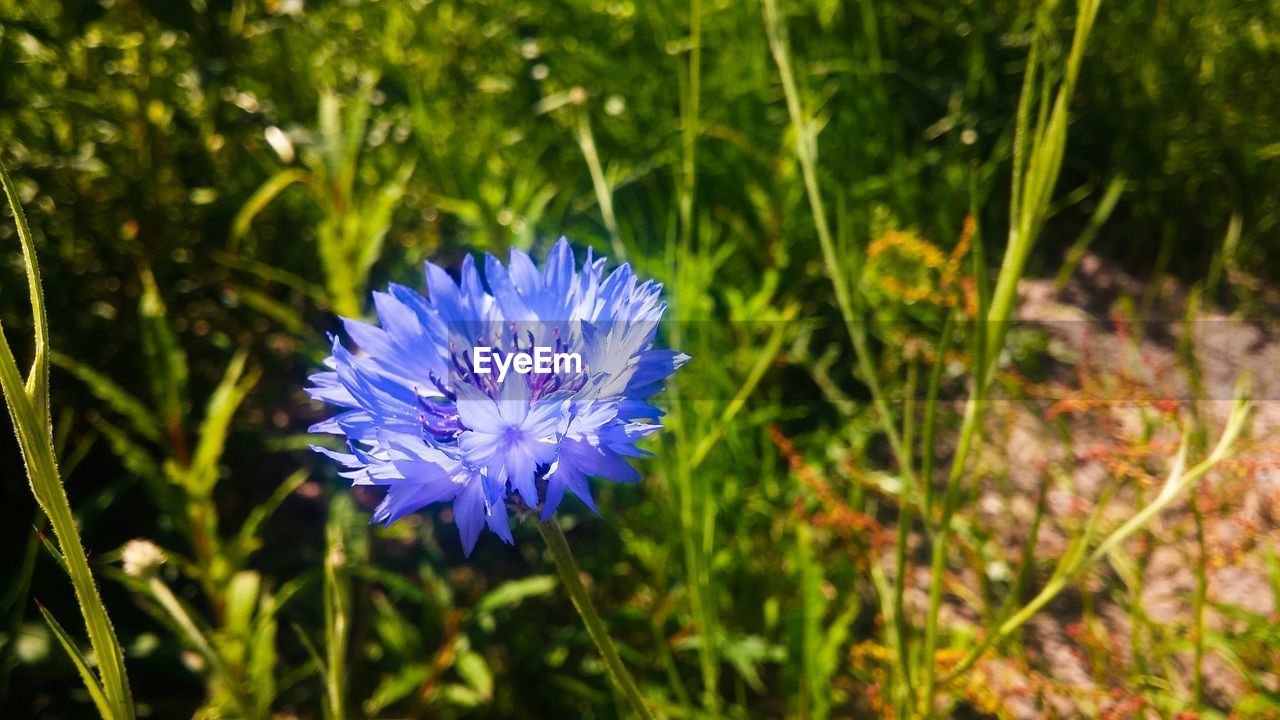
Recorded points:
(1098, 415)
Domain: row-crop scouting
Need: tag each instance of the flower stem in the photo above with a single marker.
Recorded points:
(569, 573)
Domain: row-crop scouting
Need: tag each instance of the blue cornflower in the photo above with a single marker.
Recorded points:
(437, 406)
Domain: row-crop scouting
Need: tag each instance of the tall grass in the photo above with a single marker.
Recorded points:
(808, 522)
(1038, 149)
(28, 403)
(349, 238)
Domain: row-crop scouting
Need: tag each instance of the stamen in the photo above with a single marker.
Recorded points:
(441, 387)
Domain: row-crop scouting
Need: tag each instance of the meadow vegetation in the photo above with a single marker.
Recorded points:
(884, 488)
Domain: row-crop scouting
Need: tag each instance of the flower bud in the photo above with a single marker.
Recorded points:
(141, 558)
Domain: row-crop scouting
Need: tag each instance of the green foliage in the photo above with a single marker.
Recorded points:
(349, 237)
(842, 201)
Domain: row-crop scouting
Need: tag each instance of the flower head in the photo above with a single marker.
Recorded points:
(522, 386)
(141, 557)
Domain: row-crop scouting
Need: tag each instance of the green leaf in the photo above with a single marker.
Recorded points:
(475, 671)
(28, 407)
(353, 134)
(222, 407)
(465, 209)
(375, 219)
(461, 695)
(514, 592)
(337, 601)
(82, 666)
(317, 662)
(397, 687)
(837, 633)
(137, 459)
(241, 599)
(260, 199)
(744, 653)
(52, 549)
(260, 670)
(288, 318)
(398, 637)
(394, 583)
(165, 358)
(141, 463)
(269, 273)
(37, 384)
(247, 540)
(117, 398)
(180, 618)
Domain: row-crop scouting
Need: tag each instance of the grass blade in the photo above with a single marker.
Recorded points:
(113, 395)
(260, 199)
(166, 361)
(77, 659)
(224, 402)
(247, 540)
(337, 602)
(53, 550)
(30, 415)
(37, 384)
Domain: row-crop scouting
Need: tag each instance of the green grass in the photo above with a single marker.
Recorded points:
(841, 200)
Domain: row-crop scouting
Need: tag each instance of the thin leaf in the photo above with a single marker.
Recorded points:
(141, 464)
(397, 687)
(29, 413)
(137, 459)
(310, 649)
(117, 398)
(222, 407)
(260, 669)
(181, 619)
(247, 540)
(475, 671)
(376, 219)
(744, 653)
(269, 273)
(52, 549)
(241, 599)
(337, 608)
(288, 318)
(513, 592)
(397, 636)
(461, 695)
(1101, 213)
(165, 359)
(82, 666)
(37, 384)
(394, 583)
(353, 134)
(259, 200)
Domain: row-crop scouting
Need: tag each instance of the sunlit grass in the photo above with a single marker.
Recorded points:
(843, 201)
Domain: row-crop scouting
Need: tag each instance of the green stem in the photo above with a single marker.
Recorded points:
(604, 195)
(1079, 559)
(902, 689)
(697, 541)
(1200, 601)
(806, 154)
(938, 564)
(1037, 160)
(337, 611)
(28, 403)
(569, 573)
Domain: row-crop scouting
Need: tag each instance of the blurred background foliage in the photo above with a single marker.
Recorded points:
(209, 181)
